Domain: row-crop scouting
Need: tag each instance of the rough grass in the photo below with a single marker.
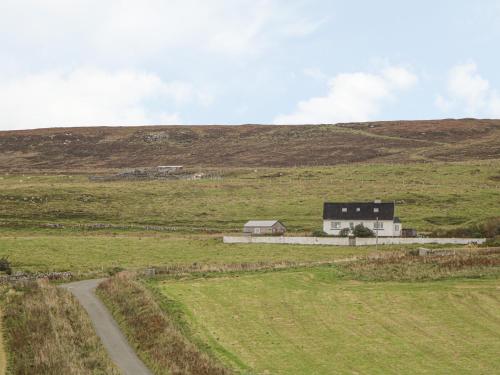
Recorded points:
(428, 196)
(48, 332)
(158, 340)
(317, 321)
(3, 356)
(406, 267)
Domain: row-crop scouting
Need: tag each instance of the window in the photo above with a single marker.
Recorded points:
(344, 209)
(396, 227)
(351, 225)
(358, 209)
(335, 225)
(256, 230)
(378, 225)
(375, 209)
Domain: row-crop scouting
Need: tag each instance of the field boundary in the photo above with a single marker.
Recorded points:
(345, 241)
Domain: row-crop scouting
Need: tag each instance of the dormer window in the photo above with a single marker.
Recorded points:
(375, 209)
(344, 209)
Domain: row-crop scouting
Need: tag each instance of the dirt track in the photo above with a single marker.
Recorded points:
(107, 329)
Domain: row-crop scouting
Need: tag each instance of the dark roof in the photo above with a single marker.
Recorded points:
(333, 211)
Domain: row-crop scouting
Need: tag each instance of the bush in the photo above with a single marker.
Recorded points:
(361, 231)
(319, 233)
(5, 266)
(344, 232)
(491, 228)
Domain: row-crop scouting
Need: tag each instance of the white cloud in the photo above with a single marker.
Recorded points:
(90, 97)
(469, 93)
(141, 29)
(352, 97)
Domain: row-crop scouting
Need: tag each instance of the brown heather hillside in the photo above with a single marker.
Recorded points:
(99, 148)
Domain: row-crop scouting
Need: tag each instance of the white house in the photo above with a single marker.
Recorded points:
(377, 216)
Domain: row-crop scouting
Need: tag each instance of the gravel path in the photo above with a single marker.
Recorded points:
(107, 329)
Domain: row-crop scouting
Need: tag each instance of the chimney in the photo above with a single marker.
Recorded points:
(376, 201)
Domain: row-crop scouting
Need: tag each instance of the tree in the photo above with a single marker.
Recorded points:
(361, 231)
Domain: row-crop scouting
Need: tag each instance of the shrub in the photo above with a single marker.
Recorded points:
(5, 266)
(491, 228)
(361, 231)
(319, 233)
(344, 232)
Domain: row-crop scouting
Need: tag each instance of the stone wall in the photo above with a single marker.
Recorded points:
(344, 241)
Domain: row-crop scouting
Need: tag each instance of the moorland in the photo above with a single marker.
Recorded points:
(246, 308)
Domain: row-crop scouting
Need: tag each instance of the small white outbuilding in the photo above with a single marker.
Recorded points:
(260, 227)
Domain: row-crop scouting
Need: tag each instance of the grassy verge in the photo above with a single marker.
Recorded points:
(48, 332)
(333, 319)
(158, 340)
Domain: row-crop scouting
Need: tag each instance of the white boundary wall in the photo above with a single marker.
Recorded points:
(344, 241)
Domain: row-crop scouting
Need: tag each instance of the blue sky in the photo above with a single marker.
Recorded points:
(119, 62)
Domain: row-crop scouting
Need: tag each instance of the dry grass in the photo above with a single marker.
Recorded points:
(3, 357)
(401, 266)
(47, 332)
(158, 340)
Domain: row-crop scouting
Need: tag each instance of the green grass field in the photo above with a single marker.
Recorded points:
(317, 322)
(101, 253)
(428, 197)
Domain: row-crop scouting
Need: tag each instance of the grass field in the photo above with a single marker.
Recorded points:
(102, 253)
(428, 196)
(317, 322)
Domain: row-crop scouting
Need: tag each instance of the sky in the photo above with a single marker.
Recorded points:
(126, 62)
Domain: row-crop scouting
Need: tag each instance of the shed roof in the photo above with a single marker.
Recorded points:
(358, 211)
(260, 223)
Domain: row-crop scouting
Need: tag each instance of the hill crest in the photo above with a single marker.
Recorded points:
(100, 148)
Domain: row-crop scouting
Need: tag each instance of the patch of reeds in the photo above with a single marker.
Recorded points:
(48, 332)
(158, 341)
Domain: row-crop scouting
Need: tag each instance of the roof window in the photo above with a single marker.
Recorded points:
(344, 209)
(358, 209)
(375, 209)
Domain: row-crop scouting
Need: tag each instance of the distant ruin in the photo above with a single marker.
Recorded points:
(161, 172)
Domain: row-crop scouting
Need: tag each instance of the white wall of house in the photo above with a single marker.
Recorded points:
(387, 228)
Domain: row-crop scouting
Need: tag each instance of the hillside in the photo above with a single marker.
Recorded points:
(94, 148)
